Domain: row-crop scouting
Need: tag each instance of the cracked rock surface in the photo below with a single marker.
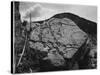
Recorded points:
(59, 43)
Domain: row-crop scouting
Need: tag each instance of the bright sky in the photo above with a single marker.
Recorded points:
(42, 11)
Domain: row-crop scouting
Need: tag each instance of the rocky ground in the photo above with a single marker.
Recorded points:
(57, 43)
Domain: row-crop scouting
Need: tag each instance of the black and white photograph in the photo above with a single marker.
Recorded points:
(48, 37)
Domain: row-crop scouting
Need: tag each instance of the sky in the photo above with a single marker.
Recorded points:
(42, 11)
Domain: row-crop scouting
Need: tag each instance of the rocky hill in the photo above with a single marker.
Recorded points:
(63, 42)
